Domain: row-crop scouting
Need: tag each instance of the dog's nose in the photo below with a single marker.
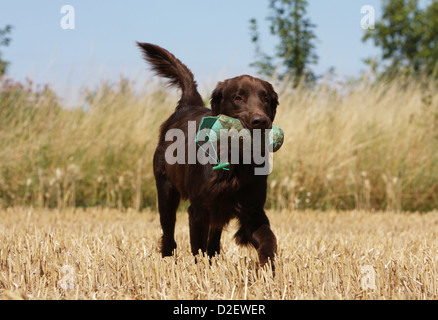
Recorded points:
(259, 121)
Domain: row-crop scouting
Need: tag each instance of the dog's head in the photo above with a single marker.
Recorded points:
(251, 100)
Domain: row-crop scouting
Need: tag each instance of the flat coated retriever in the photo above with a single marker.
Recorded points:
(215, 196)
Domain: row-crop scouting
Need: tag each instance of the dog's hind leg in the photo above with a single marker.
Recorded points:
(199, 227)
(168, 202)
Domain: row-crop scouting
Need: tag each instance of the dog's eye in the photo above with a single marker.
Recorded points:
(238, 98)
(265, 99)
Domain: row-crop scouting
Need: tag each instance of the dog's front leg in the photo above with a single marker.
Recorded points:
(199, 227)
(264, 240)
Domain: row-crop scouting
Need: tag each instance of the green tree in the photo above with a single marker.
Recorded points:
(4, 41)
(296, 50)
(408, 37)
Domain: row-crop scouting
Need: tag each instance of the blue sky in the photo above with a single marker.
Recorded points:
(209, 36)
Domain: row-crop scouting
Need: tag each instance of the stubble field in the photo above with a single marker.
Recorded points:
(113, 254)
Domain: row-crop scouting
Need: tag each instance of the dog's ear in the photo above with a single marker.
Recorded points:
(216, 98)
(274, 104)
(274, 100)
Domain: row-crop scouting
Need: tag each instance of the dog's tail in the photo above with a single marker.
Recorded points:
(168, 66)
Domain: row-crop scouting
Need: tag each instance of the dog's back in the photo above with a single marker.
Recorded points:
(190, 108)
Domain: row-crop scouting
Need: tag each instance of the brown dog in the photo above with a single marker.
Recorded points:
(215, 196)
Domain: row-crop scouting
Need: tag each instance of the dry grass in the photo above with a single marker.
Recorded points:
(363, 146)
(109, 254)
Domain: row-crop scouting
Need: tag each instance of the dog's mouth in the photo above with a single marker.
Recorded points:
(244, 124)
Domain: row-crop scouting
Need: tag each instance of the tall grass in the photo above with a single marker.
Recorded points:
(353, 146)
